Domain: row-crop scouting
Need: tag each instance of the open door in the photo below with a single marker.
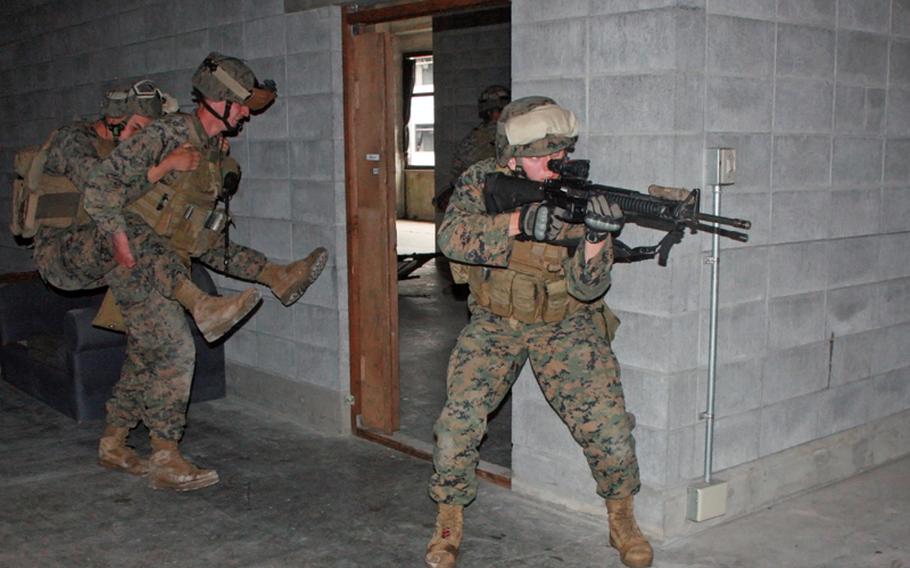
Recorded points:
(371, 230)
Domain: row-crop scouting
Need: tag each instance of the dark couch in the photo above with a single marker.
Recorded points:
(50, 349)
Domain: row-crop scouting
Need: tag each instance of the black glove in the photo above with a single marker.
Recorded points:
(541, 222)
(602, 218)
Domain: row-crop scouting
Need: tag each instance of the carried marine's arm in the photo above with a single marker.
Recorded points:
(669, 209)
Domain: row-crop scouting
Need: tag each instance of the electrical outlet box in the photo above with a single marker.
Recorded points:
(707, 500)
(720, 166)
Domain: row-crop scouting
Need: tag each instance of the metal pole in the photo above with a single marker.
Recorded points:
(714, 260)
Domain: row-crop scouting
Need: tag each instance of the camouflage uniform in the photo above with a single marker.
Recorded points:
(572, 358)
(78, 257)
(155, 380)
(478, 145)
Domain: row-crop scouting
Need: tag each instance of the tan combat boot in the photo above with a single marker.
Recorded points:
(215, 315)
(289, 281)
(113, 453)
(625, 536)
(443, 548)
(168, 469)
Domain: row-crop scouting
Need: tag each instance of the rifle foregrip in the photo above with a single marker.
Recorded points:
(665, 192)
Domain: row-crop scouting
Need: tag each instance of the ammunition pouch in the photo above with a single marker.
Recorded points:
(109, 315)
(186, 211)
(531, 289)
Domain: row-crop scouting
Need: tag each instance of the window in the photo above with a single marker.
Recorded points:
(420, 118)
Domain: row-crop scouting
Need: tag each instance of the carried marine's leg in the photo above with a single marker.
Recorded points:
(287, 281)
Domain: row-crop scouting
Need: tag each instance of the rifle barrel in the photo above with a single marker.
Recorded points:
(738, 223)
(735, 235)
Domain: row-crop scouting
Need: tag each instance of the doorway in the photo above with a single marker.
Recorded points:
(402, 330)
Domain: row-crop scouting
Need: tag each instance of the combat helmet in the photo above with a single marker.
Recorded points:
(534, 126)
(493, 98)
(223, 78)
(145, 99)
(115, 103)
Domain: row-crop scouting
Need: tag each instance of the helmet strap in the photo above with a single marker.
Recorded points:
(222, 117)
(115, 129)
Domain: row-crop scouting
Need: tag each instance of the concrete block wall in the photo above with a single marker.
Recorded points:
(465, 61)
(56, 60)
(814, 97)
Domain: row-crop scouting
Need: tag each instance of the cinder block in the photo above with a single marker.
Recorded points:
(743, 275)
(647, 396)
(228, 40)
(308, 236)
(277, 355)
(647, 41)
(651, 451)
(312, 201)
(737, 390)
(312, 160)
(270, 199)
(853, 261)
(858, 109)
(312, 30)
(240, 347)
(865, 15)
(853, 309)
(270, 125)
(759, 9)
(813, 13)
(559, 479)
(806, 52)
(891, 393)
(268, 159)
(895, 302)
(844, 407)
(789, 423)
(851, 356)
(861, 58)
(738, 104)
(147, 22)
(316, 325)
(891, 352)
(271, 236)
(753, 159)
(318, 366)
(272, 318)
(685, 401)
(900, 17)
(855, 212)
(685, 453)
(736, 439)
(634, 103)
(311, 117)
(741, 333)
(897, 166)
(740, 46)
(894, 255)
(569, 93)
(631, 161)
(309, 73)
(190, 48)
(897, 115)
(261, 8)
(264, 37)
(189, 15)
(899, 61)
(220, 12)
(803, 105)
(619, 6)
(799, 215)
(801, 160)
(649, 288)
(795, 372)
(540, 59)
(634, 344)
(796, 320)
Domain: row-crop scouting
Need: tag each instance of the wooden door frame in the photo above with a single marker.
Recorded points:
(352, 17)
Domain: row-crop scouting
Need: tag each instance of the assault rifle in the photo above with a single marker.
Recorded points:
(668, 209)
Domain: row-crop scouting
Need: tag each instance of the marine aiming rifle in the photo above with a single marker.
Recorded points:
(668, 209)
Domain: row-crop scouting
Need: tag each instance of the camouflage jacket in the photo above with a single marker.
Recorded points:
(478, 145)
(122, 178)
(468, 234)
(73, 153)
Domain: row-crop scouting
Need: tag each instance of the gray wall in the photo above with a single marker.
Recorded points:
(465, 61)
(56, 58)
(815, 309)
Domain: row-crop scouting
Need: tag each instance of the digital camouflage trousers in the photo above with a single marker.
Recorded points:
(155, 380)
(579, 377)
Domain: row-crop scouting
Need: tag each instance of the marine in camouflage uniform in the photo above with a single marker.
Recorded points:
(155, 382)
(532, 298)
(480, 143)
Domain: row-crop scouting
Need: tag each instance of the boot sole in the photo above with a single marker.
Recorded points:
(290, 296)
(117, 467)
(199, 483)
(214, 333)
(629, 563)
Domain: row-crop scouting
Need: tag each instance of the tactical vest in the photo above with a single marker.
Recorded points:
(45, 200)
(186, 210)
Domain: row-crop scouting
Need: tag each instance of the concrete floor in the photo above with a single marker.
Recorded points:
(289, 497)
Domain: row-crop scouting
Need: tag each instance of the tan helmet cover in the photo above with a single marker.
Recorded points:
(224, 78)
(534, 126)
